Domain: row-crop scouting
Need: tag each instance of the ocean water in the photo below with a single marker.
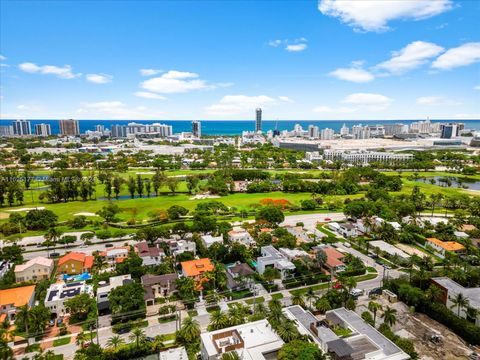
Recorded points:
(235, 127)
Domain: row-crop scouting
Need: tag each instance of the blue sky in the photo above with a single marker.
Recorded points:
(298, 60)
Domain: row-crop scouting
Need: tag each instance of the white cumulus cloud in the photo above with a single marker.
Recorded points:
(368, 101)
(238, 104)
(149, 72)
(374, 15)
(296, 47)
(285, 99)
(2, 58)
(99, 78)
(436, 101)
(463, 55)
(410, 57)
(116, 110)
(174, 82)
(149, 95)
(275, 43)
(353, 74)
(64, 72)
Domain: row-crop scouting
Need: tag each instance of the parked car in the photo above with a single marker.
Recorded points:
(51, 323)
(59, 321)
(149, 339)
(123, 330)
(337, 285)
(376, 291)
(356, 292)
(108, 245)
(54, 255)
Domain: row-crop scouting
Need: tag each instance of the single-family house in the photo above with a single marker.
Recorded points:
(104, 289)
(334, 262)
(239, 276)
(442, 247)
(150, 255)
(347, 229)
(59, 293)
(271, 257)
(196, 268)
(38, 268)
(157, 286)
(75, 263)
(209, 240)
(115, 254)
(450, 290)
(12, 299)
(178, 247)
(241, 236)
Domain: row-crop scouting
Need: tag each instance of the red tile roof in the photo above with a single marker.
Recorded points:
(75, 256)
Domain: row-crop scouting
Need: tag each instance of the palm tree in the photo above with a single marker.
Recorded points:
(460, 302)
(137, 335)
(275, 316)
(275, 304)
(374, 307)
(323, 305)
(218, 320)
(310, 296)
(287, 330)
(80, 339)
(236, 315)
(297, 299)
(389, 316)
(190, 330)
(114, 342)
(433, 293)
(472, 313)
(320, 258)
(158, 342)
(232, 355)
(23, 317)
(52, 236)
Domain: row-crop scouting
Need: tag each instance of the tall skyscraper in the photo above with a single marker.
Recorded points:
(327, 134)
(100, 128)
(313, 131)
(449, 131)
(344, 131)
(6, 130)
(197, 129)
(258, 123)
(69, 127)
(22, 127)
(43, 130)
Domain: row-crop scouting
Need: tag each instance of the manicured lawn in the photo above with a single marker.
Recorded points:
(256, 300)
(62, 341)
(277, 296)
(192, 313)
(169, 337)
(325, 231)
(166, 319)
(32, 348)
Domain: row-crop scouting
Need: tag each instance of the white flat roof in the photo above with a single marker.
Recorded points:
(258, 338)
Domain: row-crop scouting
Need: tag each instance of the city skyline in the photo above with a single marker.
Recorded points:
(297, 61)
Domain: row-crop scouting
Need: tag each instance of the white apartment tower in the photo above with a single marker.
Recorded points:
(43, 130)
(22, 127)
(327, 134)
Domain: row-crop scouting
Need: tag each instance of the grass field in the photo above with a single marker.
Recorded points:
(142, 208)
(62, 341)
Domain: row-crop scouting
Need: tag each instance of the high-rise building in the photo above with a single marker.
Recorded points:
(100, 128)
(449, 130)
(258, 122)
(313, 132)
(344, 131)
(197, 129)
(43, 130)
(69, 127)
(141, 130)
(360, 132)
(22, 127)
(6, 130)
(327, 134)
